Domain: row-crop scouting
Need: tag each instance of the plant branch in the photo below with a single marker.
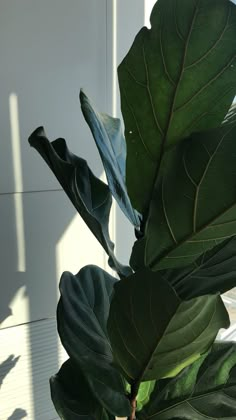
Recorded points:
(132, 397)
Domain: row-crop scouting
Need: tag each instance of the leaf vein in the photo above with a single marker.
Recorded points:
(150, 94)
(164, 61)
(195, 207)
(187, 172)
(134, 78)
(166, 216)
(138, 129)
(134, 323)
(204, 87)
(216, 42)
(176, 23)
(124, 343)
(210, 239)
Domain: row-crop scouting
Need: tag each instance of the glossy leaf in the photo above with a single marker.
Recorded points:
(196, 210)
(110, 141)
(204, 390)
(178, 77)
(153, 333)
(213, 272)
(90, 196)
(82, 318)
(72, 397)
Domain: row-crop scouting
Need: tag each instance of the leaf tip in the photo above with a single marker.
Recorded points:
(38, 133)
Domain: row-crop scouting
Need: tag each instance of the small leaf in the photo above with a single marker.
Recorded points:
(177, 78)
(196, 210)
(82, 318)
(144, 393)
(107, 133)
(72, 397)
(90, 196)
(153, 333)
(204, 390)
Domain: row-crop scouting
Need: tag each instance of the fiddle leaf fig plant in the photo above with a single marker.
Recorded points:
(142, 343)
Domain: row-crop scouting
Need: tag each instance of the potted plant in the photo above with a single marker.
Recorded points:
(144, 346)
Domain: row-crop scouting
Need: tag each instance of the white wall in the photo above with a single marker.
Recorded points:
(49, 49)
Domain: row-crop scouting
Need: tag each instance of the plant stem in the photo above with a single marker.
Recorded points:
(133, 405)
(132, 397)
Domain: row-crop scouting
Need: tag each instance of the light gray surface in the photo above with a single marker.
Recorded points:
(24, 376)
(49, 49)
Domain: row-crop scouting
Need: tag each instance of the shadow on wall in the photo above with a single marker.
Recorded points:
(7, 366)
(10, 290)
(18, 414)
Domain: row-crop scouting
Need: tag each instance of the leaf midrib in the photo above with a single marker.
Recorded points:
(171, 112)
(198, 185)
(204, 265)
(209, 223)
(149, 359)
(186, 239)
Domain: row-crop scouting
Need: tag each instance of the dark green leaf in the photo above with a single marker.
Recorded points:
(213, 272)
(178, 77)
(204, 390)
(153, 333)
(196, 210)
(72, 396)
(137, 256)
(82, 318)
(90, 196)
(107, 133)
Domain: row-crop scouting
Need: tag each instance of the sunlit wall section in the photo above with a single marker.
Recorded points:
(148, 5)
(18, 180)
(77, 247)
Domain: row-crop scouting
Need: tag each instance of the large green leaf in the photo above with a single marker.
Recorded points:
(178, 77)
(90, 196)
(205, 390)
(72, 396)
(195, 210)
(153, 333)
(110, 141)
(82, 324)
(213, 272)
